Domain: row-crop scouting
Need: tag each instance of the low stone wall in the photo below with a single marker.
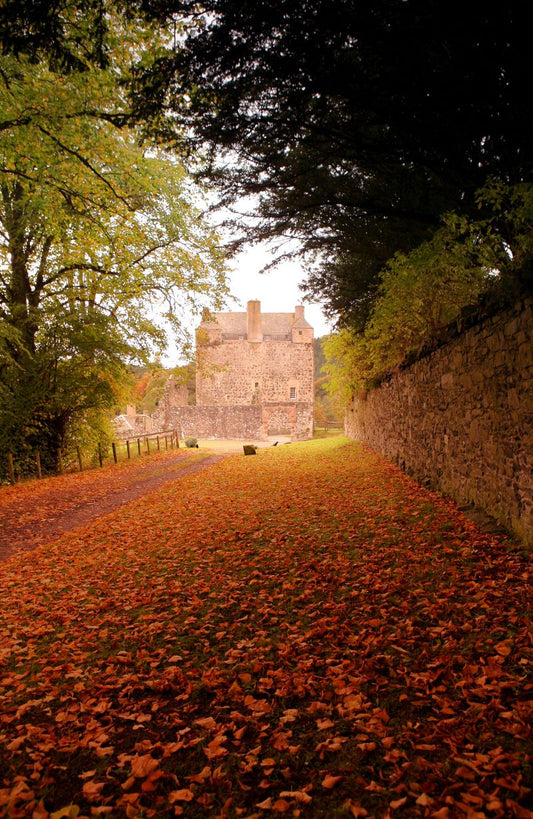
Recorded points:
(253, 422)
(214, 422)
(461, 418)
(294, 418)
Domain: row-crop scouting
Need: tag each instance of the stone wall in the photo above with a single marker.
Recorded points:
(130, 425)
(254, 422)
(244, 372)
(215, 422)
(461, 418)
(292, 418)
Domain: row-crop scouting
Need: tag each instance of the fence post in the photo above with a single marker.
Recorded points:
(38, 462)
(78, 450)
(60, 462)
(139, 445)
(166, 442)
(147, 445)
(114, 451)
(100, 456)
(128, 448)
(158, 447)
(11, 467)
(177, 438)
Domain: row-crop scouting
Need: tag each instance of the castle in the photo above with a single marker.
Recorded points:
(255, 378)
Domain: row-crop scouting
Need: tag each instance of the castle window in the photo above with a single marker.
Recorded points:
(293, 393)
(299, 332)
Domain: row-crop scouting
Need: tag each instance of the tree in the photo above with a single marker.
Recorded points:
(422, 292)
(355, 126)
(327, 408)
(101, 246)
(149, 389)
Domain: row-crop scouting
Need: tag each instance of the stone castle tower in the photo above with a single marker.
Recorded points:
(255, 377)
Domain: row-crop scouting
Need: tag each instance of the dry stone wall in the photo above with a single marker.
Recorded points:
(292, 418)
(461, 418)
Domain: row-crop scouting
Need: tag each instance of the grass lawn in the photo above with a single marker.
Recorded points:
(304, 632)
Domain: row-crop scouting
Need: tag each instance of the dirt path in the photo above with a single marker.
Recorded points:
(39, 512)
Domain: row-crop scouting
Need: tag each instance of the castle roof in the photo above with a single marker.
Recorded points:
(301, 324)
(272, 324)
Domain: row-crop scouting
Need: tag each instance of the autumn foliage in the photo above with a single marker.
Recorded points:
(306, 632)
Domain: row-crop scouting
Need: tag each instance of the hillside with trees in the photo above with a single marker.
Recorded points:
(328, 410)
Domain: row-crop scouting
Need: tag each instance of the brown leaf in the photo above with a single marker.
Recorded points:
(40, 812)
(503, 649)
(142, 766)
(265, 805)
(322, 724)
(206, 722)
(182, 795)
(330, 781)
(397, 803)
(91, 789)
(15, 744)
(353, 702)
(300, 796)
(357, 810)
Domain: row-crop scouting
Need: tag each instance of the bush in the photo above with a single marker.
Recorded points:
(191, 443)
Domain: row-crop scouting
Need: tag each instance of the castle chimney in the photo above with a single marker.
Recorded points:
(299, 312)
(253, 321)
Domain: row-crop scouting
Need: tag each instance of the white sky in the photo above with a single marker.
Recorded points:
(277, 289)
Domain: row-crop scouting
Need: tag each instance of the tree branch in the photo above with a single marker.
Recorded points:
(85, 162)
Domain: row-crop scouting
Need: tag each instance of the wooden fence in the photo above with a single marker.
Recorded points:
(119, 450)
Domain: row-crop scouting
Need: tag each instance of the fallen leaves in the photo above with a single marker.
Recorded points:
(311, 634)
(142, 766)
(182, 795)
(68, 812)
(36, 512)
(330, 781)
(92, 790)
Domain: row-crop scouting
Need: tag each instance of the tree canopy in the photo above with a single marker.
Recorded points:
(102, 247)
(354, 126)
(445, 279)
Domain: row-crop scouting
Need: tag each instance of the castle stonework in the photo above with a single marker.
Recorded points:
(255, 377)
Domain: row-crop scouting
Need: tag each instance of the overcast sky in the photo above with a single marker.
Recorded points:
(277, 290)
